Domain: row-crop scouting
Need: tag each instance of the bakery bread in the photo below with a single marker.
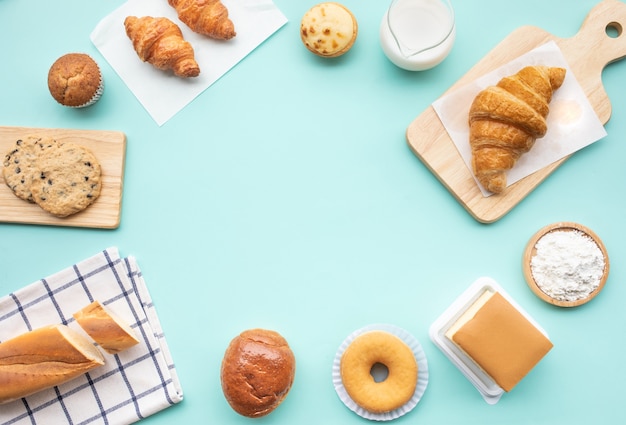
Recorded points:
(257, 372)
(43, 358)
(357, 361)
(506, 119)
(328, 29)
(109, 331)
(75, 80)
(499, 339)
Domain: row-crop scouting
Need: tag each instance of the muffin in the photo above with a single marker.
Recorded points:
(328, 29)
(75, 80)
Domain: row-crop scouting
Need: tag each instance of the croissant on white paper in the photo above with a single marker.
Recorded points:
(506, 119)
(160, 42)
(207, 17)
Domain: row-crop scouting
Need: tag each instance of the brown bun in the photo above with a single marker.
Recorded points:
(257, 372)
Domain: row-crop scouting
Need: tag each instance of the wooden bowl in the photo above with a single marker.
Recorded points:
(531, 251)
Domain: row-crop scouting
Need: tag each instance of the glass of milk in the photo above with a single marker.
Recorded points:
(417, 34)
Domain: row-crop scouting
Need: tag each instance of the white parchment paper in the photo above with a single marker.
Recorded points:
(572, 122)
(161, 93)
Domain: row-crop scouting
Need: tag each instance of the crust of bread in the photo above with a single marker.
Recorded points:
(44, 358)
(109, 331)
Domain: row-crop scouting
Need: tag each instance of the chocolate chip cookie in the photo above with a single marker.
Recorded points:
(19, 164)
(67, 179)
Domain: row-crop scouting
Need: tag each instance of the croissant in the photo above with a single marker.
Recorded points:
(207, 17)
(160, 42)
(506, 119)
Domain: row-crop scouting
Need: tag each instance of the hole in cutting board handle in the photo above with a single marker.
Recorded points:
(614, 29)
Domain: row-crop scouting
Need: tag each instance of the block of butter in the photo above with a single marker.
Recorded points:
(490, 339)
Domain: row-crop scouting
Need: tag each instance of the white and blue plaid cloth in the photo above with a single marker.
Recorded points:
(133, 384)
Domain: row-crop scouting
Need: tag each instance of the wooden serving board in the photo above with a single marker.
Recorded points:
(587, 54)
(109, 147)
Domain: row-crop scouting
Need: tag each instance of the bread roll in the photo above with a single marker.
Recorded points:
(106, 328)
(257, 372)
(44, 358)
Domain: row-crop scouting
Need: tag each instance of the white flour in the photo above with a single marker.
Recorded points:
(568, 265)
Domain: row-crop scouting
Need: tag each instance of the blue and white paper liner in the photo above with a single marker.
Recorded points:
(422, 375)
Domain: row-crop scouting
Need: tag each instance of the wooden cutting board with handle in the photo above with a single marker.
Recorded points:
(109, 147)
(599, 41)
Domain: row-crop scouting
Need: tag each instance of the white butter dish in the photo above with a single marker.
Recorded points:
(486, 386)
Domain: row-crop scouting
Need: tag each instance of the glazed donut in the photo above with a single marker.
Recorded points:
(357, 361)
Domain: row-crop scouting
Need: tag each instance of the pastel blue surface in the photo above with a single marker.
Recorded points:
(285, 197)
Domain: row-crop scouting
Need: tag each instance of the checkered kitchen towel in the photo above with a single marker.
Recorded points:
(131, 385)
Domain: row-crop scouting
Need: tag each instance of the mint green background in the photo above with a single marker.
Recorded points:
(286, 197)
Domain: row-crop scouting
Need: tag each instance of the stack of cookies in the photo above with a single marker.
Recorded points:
(62, 178)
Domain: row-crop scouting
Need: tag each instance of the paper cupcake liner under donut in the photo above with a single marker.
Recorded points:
(422, 375)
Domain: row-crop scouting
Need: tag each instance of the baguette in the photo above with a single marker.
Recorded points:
(107, 329)
(44, 358)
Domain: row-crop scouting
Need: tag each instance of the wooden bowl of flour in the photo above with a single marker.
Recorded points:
(565, 264)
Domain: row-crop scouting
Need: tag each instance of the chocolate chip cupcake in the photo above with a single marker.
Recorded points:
(75, 80)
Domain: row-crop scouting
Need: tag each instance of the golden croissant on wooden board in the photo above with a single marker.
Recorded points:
(506, 119)
(207, 17)
(160, 42)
